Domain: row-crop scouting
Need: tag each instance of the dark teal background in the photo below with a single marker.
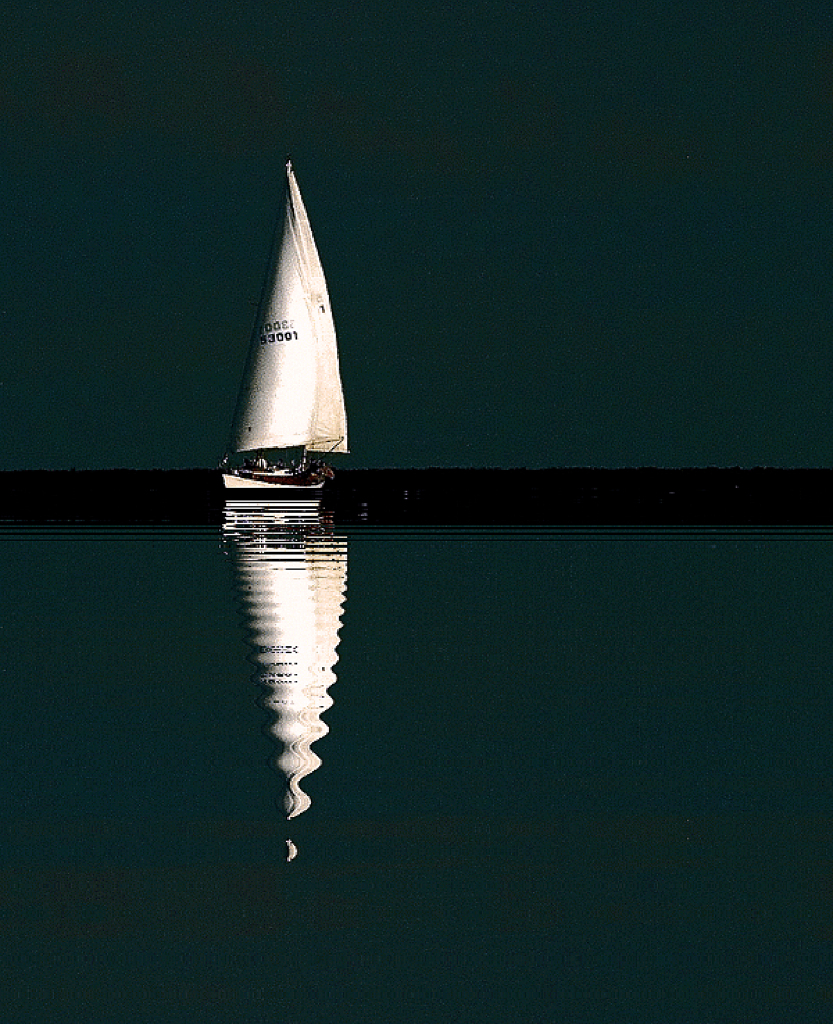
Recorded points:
(570, 234)
(565, 779)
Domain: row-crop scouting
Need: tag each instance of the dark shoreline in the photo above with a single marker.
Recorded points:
(686, 497)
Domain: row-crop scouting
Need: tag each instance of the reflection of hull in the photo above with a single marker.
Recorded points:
(290, 576)
(283, 485)
(247, 521)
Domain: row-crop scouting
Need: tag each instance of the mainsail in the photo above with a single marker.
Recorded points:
(291, 392)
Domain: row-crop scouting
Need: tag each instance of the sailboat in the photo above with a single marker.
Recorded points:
(291, 401)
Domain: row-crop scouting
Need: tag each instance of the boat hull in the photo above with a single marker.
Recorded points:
(261, 488)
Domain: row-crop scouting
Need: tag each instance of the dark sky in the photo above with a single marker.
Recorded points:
(554, 234)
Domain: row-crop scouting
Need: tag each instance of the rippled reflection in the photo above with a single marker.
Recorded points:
(290, 575)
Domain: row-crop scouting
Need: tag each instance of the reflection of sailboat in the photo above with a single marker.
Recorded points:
(290, 575)
(291, 397)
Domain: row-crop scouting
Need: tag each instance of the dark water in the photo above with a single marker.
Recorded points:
(568, 775)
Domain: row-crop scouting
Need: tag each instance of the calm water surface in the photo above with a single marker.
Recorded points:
(563, 776)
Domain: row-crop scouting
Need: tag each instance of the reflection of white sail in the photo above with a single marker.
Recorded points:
(291, 579)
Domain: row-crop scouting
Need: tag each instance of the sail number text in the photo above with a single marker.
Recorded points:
(279, 330)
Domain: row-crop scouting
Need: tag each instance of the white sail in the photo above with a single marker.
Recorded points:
(291, 392)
